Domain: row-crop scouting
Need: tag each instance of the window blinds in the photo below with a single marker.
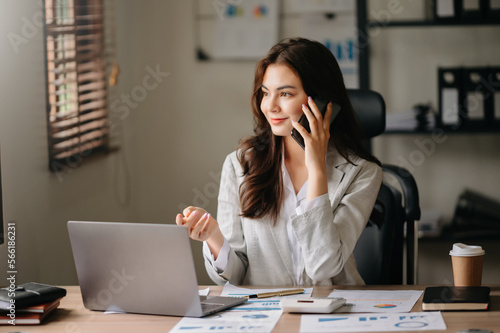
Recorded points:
(76, 80)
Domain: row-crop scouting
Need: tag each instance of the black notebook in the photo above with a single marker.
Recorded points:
(29, 294)
(456, 298)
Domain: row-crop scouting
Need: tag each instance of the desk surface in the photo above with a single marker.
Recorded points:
(71, 316)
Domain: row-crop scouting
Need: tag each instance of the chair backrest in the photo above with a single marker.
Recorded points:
(379, 250)
(370, 109)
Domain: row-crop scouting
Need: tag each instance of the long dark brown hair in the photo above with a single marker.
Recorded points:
(260, 155)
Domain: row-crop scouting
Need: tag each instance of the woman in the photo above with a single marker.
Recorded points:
(288, 215)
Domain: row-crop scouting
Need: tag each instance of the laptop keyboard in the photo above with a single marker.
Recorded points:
(210, 306)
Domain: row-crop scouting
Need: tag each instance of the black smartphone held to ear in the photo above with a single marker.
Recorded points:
(322, 104)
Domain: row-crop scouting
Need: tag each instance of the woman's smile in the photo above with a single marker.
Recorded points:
(277, 121)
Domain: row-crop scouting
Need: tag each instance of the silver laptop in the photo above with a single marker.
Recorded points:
(139, 268)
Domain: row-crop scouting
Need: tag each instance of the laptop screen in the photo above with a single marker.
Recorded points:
(135, 267)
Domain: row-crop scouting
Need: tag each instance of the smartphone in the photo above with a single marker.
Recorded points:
(321, 103)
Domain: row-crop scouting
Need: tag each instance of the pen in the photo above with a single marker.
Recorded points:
(277, 293)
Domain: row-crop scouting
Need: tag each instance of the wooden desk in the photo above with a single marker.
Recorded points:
(72, 317)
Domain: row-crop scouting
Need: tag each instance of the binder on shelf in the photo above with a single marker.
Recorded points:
(447, 10)
(451, 112)
(492, 8)
(473, 10)
(478, 100)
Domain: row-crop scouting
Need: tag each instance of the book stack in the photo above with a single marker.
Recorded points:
(29, 303)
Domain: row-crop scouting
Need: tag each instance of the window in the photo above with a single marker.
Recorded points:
(77, 114)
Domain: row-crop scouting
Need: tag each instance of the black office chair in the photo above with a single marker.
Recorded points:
(379, 251)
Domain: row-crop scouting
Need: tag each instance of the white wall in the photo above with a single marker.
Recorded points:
(173, 142)
(37, 200)
(184, 128)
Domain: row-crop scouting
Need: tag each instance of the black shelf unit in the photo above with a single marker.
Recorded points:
(470, 127)
(495, 130)
(364, 25)
(429, 23)
(363, 45)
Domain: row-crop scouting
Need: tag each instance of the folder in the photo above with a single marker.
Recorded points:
(492, 8)
(447, 10)
(478, 95)
(451, 110)
(472, 10)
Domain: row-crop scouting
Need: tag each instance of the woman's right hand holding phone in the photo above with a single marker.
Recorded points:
(202, 226)
(316, 147)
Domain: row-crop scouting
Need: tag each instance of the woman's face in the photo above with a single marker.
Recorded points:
(282, 99)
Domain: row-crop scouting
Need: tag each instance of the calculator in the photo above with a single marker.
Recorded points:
(312, 305)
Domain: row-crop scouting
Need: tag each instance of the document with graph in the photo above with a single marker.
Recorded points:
(377, 300)
(378, 322)
(230, 322)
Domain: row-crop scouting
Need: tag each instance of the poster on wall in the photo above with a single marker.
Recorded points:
(339, 35)
(246, 29)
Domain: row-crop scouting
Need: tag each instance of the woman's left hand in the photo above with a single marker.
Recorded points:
(199, 223)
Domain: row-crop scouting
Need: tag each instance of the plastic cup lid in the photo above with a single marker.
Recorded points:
(462, 250)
